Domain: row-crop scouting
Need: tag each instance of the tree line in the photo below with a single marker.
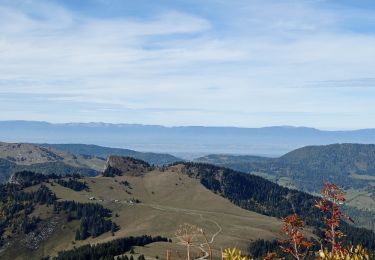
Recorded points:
(73, 184)
(93, 218)
(108, 250)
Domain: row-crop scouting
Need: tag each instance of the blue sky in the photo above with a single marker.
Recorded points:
(223, 63)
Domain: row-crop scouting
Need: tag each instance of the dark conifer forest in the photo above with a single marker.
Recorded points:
(265, 197)
(108, 250)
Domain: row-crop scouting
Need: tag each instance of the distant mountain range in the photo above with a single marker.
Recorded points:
(269, 141)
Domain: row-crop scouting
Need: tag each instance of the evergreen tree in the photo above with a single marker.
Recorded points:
(78, 235)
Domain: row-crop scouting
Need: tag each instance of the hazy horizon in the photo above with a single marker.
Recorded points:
(181, 140)
(176, 126)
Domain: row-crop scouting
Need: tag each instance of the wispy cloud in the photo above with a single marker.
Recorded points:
(344, 83)
(264, 62)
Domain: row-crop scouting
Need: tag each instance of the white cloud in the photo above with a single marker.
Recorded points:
(242, 62)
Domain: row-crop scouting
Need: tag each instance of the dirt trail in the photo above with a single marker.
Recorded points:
(192, 212)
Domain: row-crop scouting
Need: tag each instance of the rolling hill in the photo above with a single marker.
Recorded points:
(167, 198)
(228, 159)
(233, 208)
(18, 157)
(104, 152)
(66, 158)
(29, 154)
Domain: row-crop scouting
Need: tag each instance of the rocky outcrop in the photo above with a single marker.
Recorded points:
(119, 165)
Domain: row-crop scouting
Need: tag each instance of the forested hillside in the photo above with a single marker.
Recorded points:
(348, 165)
(5, 169)
(351, 166)
(59, 168)
(260, 195)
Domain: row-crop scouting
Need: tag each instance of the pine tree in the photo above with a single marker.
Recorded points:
(78, 236)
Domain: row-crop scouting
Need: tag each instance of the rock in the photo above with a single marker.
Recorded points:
(119, 165)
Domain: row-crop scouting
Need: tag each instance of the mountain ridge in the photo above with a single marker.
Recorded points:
(181, 126)
(273, 141)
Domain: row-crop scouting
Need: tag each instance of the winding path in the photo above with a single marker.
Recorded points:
(192, 212)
